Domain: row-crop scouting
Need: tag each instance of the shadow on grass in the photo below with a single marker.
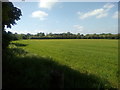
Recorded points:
(19, 44)
(30, 71)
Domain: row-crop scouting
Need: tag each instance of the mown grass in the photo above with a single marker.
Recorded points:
(85, 63)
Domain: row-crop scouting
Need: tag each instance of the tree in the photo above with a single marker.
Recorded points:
(28, 35)
(69, 33)
(50, 34)
(40, 34)
(10, 15)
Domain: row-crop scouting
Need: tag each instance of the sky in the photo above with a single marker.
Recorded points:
(62, 17)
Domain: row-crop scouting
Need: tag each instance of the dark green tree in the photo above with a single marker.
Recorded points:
(10, 15)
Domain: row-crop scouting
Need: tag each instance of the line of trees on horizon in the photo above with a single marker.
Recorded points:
(67, 35)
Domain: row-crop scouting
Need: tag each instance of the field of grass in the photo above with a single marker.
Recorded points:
(91, 57)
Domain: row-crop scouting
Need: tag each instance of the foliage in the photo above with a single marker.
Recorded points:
(10, 15)
(67, 35)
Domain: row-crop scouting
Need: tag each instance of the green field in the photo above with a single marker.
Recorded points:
(97, 57)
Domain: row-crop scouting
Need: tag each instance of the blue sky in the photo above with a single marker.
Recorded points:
(59, 17)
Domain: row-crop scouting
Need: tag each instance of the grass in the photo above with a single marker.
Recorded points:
(85, 63)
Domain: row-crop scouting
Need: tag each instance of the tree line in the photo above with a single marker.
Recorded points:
(67, 35)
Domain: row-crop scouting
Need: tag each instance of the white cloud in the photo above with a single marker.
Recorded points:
(108, 6)
(102, 15)
(99, 13)
(91, 13)
(39, 14)
(78, 27)
(115, 15)
(48, 4)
